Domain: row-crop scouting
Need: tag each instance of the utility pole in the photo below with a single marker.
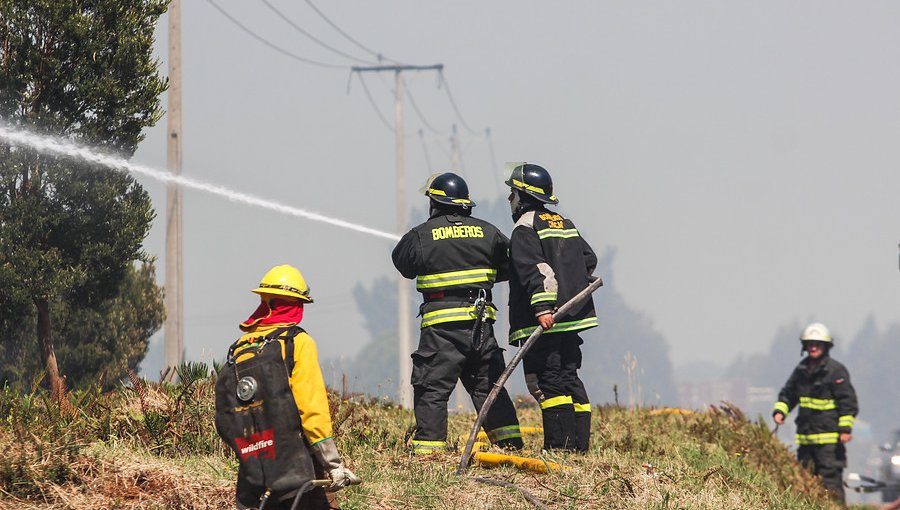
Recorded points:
(456, 157)
(404, 391)
(174, 327)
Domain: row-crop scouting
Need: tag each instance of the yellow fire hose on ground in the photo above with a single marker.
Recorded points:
(671, 410)
(488, 459)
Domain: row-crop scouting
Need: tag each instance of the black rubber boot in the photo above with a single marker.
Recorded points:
(513, 443)
(559, 427)
(582, 431)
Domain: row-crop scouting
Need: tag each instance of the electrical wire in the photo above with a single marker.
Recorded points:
(494, 170)
(455, 152)
(425, 150)
(412, 101)
(312, 37)
(448, 154)
(376, 54)
(374, 105)
(453, 103)
(273, 45)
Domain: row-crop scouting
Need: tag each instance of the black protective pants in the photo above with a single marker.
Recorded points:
(446, 355)
(551, 373)
(827, 461)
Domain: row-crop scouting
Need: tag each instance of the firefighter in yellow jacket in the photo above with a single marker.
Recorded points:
(278, 421)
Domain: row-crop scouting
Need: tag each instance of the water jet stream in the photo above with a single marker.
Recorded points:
(56, 146)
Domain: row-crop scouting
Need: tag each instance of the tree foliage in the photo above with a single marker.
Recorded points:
(84, 71)
(94, 344)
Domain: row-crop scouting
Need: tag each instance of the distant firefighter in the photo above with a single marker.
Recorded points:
(828, 408)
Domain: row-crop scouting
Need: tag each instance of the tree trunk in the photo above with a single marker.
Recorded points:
(57, 385)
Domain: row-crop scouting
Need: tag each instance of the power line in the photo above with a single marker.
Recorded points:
(273, 45)
(374, 105)
(453, 103)
(376, 54)
(312, 37)
(425, 150)
(419, 113)
(490, 141)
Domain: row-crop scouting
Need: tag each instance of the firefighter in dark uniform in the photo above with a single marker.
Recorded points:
(456, 259)
(828, 407)
(550, 264)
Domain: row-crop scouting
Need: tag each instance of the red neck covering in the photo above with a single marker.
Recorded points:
(280, 312)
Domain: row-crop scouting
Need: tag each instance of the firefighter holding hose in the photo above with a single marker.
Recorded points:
(550, 263)
(455, 259)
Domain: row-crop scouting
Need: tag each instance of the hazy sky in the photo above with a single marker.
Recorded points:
(740, 156)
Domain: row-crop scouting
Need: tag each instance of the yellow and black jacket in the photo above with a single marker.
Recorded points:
(452, 257)
(826, 398)
(550, 264)
(306, 381)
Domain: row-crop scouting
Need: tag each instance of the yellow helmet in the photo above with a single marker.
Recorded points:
(284, 280)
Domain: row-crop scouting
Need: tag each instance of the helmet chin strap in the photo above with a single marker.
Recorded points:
(515, 205)
(521, 203)
(439, 209)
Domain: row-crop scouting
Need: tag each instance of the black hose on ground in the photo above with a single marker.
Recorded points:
(527, 495)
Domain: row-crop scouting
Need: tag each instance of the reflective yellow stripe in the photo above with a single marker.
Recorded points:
(452, 278)
(582, 408)
(427, 447)
(846, 421)
(518, 335)
(543, 296)
(782, 407)
(818, 404)
(529, 187)
(556, 401)
(823, 438)
(501, 433)
(557, 232)
(466, 313)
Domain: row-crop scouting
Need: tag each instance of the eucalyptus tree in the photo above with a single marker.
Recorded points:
(82, 70)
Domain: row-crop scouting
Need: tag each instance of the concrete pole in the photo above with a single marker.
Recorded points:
(174, 330)
(403, 304)
(455, 156)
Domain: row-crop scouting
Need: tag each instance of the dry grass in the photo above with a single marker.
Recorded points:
(153, 447)
(106, 477)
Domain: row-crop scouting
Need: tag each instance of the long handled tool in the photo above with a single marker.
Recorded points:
(492, 396)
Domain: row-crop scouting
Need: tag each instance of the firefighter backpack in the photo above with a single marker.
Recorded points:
(256, 415)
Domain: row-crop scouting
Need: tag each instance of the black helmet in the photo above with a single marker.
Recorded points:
(533, 180)
(449, 189)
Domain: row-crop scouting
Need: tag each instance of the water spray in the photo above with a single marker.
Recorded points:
(50, 145)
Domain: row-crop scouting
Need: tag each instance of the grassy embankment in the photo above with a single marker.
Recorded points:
(156, 447)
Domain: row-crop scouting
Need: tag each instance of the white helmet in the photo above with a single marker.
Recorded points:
(816, 332)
